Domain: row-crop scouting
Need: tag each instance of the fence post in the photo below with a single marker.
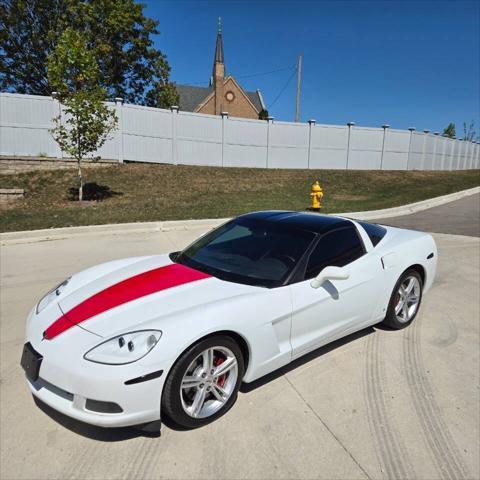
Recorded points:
(270, 121)
(224, 126)
(461, 161)
(311, 124)
(454, 153)
(459, 156)
(57, 112)
(451, 151)
(461, 151)
(466, 157)
(119, 113)
(174, 110)
(385, 127)
(411, 130)
(444, 154)
(472, 153)
(350, 125)
(434, 161)
(426, 132)
(458, 146)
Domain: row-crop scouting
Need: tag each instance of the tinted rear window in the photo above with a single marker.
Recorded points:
(374, 231)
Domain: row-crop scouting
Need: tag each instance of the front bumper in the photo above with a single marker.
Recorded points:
(80, 389)
(140, 403)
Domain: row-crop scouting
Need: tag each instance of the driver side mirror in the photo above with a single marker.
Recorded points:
(329, 273)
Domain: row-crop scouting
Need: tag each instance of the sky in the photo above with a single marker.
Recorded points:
(404, 63)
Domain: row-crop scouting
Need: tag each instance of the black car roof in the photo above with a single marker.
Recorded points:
(309, 221)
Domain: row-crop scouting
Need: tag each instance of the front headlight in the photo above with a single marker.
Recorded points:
(51, 295)
(125, 348)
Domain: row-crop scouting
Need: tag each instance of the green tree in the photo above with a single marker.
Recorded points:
(163, 96)
(116, 31)
(74, 72)
(449, 131)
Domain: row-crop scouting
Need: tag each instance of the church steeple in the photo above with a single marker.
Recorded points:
(218, 70)
(219, 45)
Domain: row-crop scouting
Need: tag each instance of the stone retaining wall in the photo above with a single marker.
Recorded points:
(8, 195)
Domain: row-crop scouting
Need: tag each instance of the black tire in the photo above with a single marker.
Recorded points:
(171, 405)
(391, 318)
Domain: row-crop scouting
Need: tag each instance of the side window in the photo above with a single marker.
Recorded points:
(374, 231)
(336, 249)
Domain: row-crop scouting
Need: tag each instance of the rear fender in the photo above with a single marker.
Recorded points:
(398, 254)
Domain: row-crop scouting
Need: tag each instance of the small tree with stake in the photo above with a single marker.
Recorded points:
(73, 72)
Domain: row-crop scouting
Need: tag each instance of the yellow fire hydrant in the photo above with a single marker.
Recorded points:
(317, 195)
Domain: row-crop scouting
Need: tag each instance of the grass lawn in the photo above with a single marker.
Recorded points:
(139, 192)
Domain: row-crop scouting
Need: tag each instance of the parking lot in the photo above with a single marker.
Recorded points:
(378, 404)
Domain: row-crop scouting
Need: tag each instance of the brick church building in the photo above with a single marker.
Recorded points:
(224, 94)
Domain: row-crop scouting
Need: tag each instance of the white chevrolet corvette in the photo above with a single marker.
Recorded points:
(129, 341)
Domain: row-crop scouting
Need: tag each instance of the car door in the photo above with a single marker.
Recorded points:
(338, 307)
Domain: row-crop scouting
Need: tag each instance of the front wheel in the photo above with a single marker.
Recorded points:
(204, 382)
(405, 300)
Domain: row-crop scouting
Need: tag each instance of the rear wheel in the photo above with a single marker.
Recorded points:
(203, 384)
(405, 300)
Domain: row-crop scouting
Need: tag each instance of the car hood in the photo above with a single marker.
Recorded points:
(136, 293)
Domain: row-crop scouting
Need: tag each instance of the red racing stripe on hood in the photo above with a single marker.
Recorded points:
(127, 290)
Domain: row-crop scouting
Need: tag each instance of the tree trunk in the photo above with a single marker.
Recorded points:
(80, 190)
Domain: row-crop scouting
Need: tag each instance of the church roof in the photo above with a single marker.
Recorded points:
(191, 97)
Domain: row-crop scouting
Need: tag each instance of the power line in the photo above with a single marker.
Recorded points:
(283, 89)
(267, 73)
(283, 69)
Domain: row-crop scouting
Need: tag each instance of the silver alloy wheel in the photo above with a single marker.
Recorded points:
(209, 382)
(407, 299)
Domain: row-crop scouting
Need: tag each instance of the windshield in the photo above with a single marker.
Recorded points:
(250, 251)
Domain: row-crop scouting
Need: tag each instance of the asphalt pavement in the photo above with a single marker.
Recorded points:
(378, 404)
(461, 217)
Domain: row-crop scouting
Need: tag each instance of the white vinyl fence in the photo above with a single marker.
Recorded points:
(162, 136)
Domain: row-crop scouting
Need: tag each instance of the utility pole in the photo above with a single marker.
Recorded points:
(299, 79)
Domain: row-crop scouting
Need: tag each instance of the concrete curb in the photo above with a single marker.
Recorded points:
(31, 236)
(411, 207)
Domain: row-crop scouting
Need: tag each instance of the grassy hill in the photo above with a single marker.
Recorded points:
(139, 192)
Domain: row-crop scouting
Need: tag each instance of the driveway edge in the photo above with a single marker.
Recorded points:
(31, 236)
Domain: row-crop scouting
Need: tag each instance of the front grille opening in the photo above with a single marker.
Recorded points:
(102, 407)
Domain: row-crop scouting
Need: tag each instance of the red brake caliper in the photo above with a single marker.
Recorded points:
(397, 299)
(221, 380)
